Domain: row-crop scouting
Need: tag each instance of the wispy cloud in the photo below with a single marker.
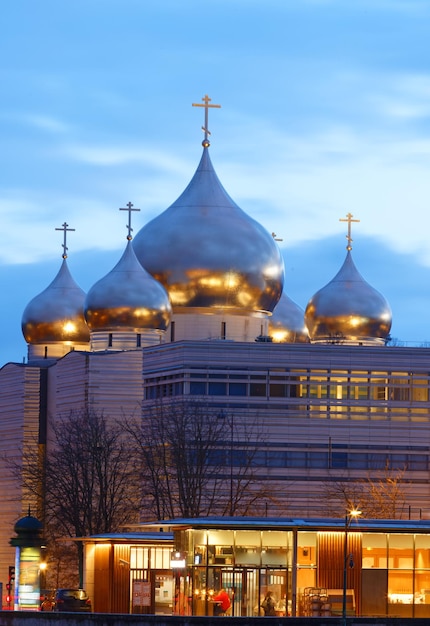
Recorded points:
(109, 155)
(47, 123)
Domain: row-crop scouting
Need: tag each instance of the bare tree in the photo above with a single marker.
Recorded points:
(87, 482)
(381, 495)
(385, 495)
(196, 460)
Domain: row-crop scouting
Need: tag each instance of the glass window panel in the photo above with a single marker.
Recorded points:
(274, 556)
(257, 389)
(248, 538)
(318, 459)
(197, 388)
(339, 460)
(217, 389)
(296, 459)
(358, 461)
(275, 538)
(420, 394)
(247, 556)
(237, 389)
(220, 537)
(377, 461)
(422, 587)
(374, 551)
(400, 588)
(259, 459)
(398, 461)
(306, 549)
(422, 551)
(418, 462)
(306, 539)
(278, 391)
(276, 458)
(400, 551)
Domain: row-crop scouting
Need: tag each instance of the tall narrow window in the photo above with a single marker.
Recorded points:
(223, 330)
(138, 340)
(172, 331)
(110, 339)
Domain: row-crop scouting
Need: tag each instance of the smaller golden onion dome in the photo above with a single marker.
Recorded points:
(348, 310)
(287, 323)
(56, 314)
(127, 299)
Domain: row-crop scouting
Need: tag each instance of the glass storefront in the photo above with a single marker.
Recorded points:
(246, 563)
(388, 573)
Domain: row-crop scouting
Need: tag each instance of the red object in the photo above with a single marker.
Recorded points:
(224, 599)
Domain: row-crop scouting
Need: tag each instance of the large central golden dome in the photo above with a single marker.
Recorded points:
(208, 253)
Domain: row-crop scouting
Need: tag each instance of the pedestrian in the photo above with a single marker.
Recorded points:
(268, 604)
(222, 600)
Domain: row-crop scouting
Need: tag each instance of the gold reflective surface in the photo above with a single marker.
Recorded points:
(348, 308)
(287, 323)
(56, 314)
(127, 298)
(209, 253)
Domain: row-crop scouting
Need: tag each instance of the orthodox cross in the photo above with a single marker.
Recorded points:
(206, 106)
(276, 238)
(348, 219)
(129, 208)
(65, 229)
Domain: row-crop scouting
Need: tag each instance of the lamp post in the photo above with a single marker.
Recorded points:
(352, 514)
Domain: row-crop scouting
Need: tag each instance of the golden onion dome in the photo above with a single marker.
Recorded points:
(348, 310)
(287, 323)
(207, 252)
(56, 314)
(127, 299)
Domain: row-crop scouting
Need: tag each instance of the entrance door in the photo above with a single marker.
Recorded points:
(242, 584)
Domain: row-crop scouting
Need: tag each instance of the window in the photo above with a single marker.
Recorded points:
(339, 460)
(217, 389)
(296, 459)
(278, 391)
(257, 389)
(237, 389)
(197, 388)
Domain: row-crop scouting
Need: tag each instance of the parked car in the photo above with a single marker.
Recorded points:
(71, 600)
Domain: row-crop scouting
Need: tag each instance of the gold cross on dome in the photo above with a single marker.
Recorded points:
(129, 208)
(206, 106)
(65, 229)
(349, 219)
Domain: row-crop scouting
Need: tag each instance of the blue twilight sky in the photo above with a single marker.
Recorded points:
(325, 111)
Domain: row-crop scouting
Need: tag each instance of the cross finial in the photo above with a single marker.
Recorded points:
(348, 219)
(207, 106)
(129, 208)
(66, 230)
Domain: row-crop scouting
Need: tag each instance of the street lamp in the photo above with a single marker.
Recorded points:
(352, 514)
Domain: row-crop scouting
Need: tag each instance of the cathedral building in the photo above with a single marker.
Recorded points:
(197, 308)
